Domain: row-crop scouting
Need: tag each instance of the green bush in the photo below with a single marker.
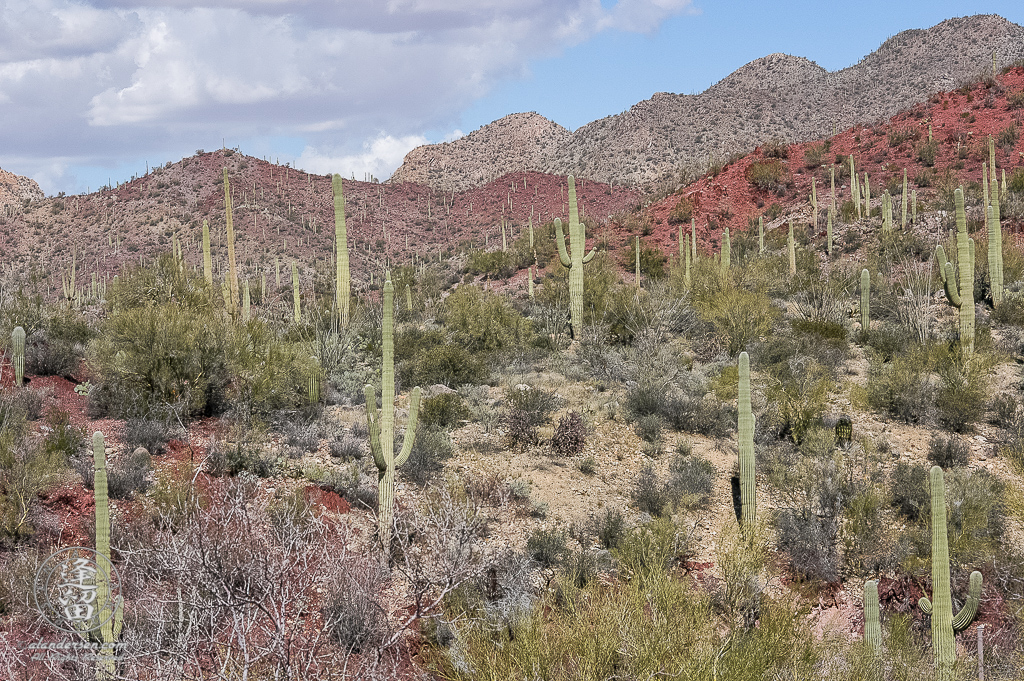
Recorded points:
(547, 547)
(1015, 181)
(482, 321)
(449, 364)
(909, 490)
(161, 354)
(770, 175)
(901, 387)
(814, 156)
(691, 481)
(926, 152)
(739, 316)
(948, 451)
(652, 260)
(649, 494)
(430, 449)
(681, 212)
(649, 428)
(609, 527)
(445, 410)
(963, 391)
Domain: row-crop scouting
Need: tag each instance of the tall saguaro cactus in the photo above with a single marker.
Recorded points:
(18, 348)
(574, 260)
(745, 424)
(726, 252)
(110, 630)
(865, 301)
(207, 256)
(343, 284)
(995, 232)
(791, 243)
(962, 299)
(232, 268)
(295, 293)
(944, 624)
(382, 425)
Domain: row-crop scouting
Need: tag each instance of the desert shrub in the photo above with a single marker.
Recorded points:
(609, 527)
(445, 410)
(814, 156)
(26, 468)
(948, 451)
(151, 434)
(355, 486)
(691, 480)
(962, 393)
(649, 494)
(739, 316)
(430, 449)
(129, 475)
(926, 152)
(570, 435)
(901, 387)
(352, 616)
(771, 175)
(1015, 100)
(976, 505)
(347, 448)
(547, 547)
(798, 395)
(159, 284)
(649, 428)
(652, 260)
(63, 438)
(483, 321)
(909, 490)
(587, 465)
(865, 528)
(1015, 181)
(449, 364)
(538, 404)
(681, 212)
(810, 543)
(411, 340)
(29, 403)
(232, 460)
(775, 148)
(898, 136)
(701, 414)
(494, 264)
(47, 355)
(267, 373)
(1008, 136)
(160, 354)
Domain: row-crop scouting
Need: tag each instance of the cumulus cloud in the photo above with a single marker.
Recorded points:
(379, 158)
(96, 81)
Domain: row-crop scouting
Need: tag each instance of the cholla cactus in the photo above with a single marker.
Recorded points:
(944, 624)
(18, 350)
(382, 426)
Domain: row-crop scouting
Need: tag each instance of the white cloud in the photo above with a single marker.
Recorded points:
(99, 81)
(379, 158)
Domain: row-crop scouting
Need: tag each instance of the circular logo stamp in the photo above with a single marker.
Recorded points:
(76, 588)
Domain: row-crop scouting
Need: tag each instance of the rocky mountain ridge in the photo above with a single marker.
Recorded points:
(777, 96)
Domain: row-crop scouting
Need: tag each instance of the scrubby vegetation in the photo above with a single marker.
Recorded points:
(587, 482)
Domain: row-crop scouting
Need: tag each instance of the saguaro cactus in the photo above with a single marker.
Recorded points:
(995, 232)
(865, 301)
(207, 256)
(792, 250)
(245, 301)
(760, 234)
(382, 425)
(574, 260)
(964, 298)
(18, 348)
(828, 234)
(745, 424)
(295, 293)
(944, 624)
(872, 624)
(903, 219)
(636, 257)
(232, 268)
(726, 252)
(342, 284)
(107, 632)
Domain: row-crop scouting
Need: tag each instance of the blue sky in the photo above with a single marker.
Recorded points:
(96, 89)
